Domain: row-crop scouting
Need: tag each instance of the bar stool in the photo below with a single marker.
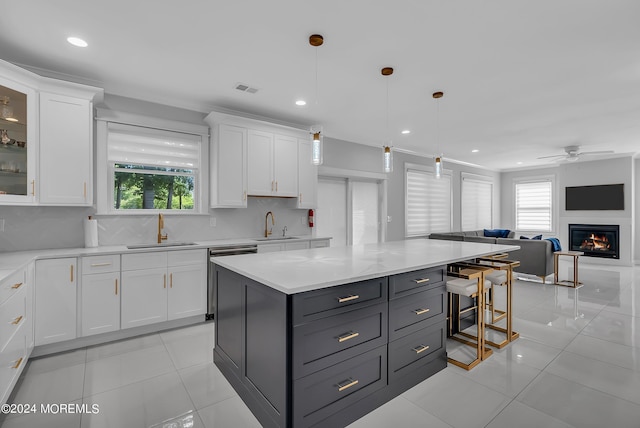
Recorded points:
(464, 281)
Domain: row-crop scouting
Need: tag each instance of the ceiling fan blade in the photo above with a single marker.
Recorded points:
(551, 157)
(599, 152)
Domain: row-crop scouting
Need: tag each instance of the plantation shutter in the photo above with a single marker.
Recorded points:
(428, 203)
(533, 206)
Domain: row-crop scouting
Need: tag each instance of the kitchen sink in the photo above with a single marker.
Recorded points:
(161, 245)
(277, 238)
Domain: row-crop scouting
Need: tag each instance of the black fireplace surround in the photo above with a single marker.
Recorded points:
(595, 240)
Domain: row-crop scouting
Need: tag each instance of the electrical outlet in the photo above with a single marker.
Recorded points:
(212, 221)
(1, 225)
(388, 219)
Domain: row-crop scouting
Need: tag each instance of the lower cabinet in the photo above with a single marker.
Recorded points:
(100, 291)
(16, 329)
(329, 356)
(55, 301)
(161, 286)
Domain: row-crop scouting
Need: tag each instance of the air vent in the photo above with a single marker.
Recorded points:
(246, 88)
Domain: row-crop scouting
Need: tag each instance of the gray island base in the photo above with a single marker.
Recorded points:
(336, 348)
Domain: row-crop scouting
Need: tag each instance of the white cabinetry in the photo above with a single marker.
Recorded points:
(187, 283)
(320, 243)
(100, 291)
(66, 150)
(283, 246)
(16, 329)
(161, 286)
(228, 165)
(272, 164)
(307, 176)
(55, 302)
(285, 165)
(144, 289)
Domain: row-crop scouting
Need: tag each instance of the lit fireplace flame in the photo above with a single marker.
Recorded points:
(595, 243)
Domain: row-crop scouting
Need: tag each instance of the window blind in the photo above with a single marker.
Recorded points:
(152, 147)
(477, 204)
(533, 206)
(428, 203)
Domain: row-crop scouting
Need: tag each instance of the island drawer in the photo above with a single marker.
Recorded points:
(416, 311)
(325, 342)
(412, 352)
(101, 264)
(320, 395)
(313, 305)
(412, 282)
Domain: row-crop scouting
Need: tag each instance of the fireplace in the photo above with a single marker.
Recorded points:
(595, 240)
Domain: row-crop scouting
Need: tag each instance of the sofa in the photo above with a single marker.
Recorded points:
(535, 255)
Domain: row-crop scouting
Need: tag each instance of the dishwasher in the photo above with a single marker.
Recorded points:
(211, 283)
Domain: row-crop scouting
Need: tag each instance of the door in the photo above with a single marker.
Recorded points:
(331, 214)
(285, 162)
(144, 297)
(229, 183)
(55, 300)
(260, 163)
(187, 293)
(100, 303)
(365, 212)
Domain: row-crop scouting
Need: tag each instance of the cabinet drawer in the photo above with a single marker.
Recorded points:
(187, 257)
(413, 282)
(324, 393)
(330, 301)
(416, 311)
(152, 260)
(101, 264)
(319, 244)
(412, 352)
(13, 358)
(13, 313)
(12, 284)
(327, 341)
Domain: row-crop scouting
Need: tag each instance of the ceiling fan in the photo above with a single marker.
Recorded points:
(573, 153)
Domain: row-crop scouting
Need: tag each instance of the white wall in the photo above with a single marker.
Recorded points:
(584, 173)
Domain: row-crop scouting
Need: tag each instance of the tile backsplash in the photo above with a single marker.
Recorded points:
(32, 228)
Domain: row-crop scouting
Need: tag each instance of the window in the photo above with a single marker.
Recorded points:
(477, 202)
(152, 169)
(534, 205)
(428, 202)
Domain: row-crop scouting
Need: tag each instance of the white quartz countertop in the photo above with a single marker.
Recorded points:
(297, 271)
(12, 261)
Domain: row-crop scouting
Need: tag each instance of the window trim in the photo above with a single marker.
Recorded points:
(428, 170)
(554, 201)
(105, 173)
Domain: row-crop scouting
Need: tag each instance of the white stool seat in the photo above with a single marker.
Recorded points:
(498, 277)
(463, 287)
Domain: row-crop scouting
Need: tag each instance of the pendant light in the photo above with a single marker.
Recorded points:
(438, 161)
(387, 152)
(317, 148)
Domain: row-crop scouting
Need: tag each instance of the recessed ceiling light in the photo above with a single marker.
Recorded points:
(406, 131)
(518, 163)
(475, 151)
(76, 41)
(301, 103)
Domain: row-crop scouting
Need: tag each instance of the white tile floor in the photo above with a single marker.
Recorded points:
(577, 364)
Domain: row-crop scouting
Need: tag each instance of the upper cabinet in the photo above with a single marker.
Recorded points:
(46, 155)
(66, 150)
(255, 158)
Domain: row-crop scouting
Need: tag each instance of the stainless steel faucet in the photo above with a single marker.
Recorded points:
(268, 232)
(161, 237)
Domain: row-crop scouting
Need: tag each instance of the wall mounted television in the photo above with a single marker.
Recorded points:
(592, 198)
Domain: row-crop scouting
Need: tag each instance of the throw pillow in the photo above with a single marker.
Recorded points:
(497, 233)
(537, 237)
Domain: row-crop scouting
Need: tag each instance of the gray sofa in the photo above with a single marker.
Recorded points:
(535, 256)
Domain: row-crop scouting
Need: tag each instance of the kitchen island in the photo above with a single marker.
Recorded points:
(321, 337)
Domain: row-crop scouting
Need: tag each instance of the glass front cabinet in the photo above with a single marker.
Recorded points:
(17, 142)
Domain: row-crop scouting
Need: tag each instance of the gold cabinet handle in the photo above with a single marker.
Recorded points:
(276, 186)
(33, 187)
(100, 264)
(272, 185)
(84, 192)
(244, 196)
(348, 336)
(17, 364)
(17, 320)
(348, 298)
(421, 280)
(171, 280)
(116, 286)
(420, 348)
(300, 197)
(164, 281)
(16, 286)
(350, 382)
(71, 269)
(420, 311)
